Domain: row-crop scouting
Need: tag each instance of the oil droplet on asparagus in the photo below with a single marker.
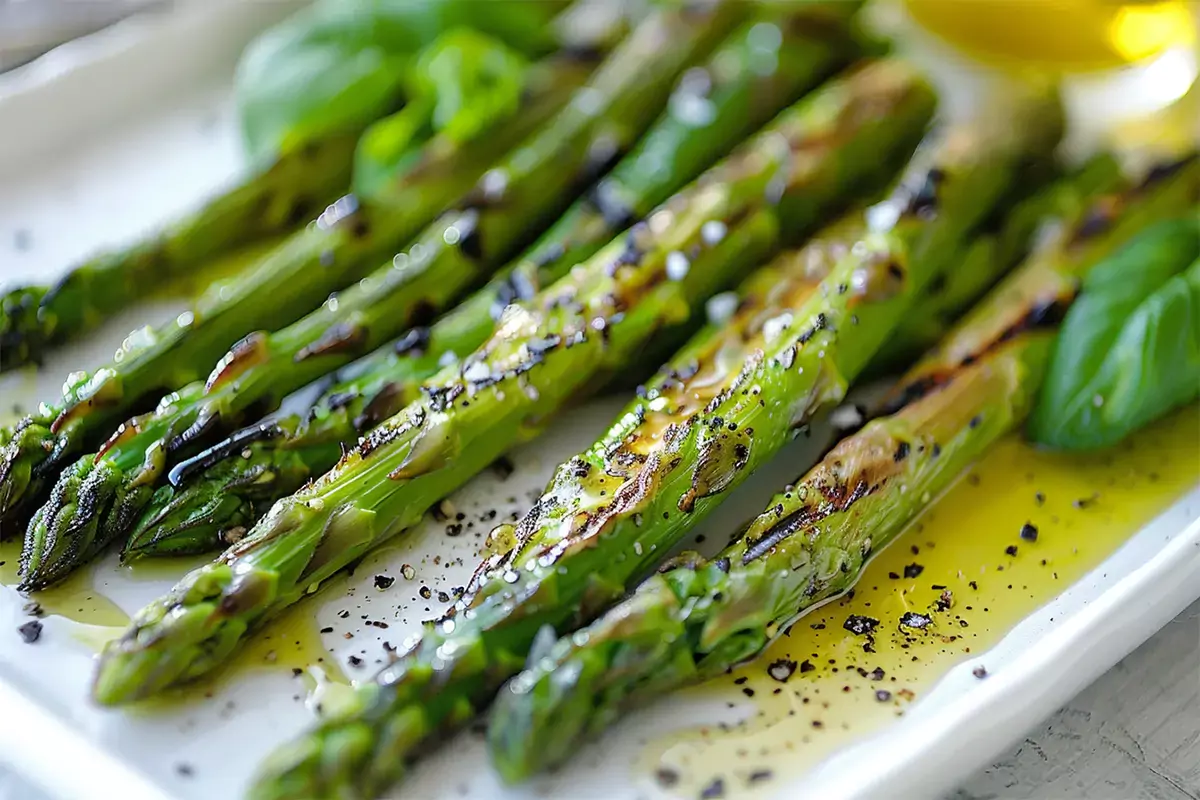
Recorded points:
(1015, 531)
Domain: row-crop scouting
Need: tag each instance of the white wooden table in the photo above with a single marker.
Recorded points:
(1132, 735)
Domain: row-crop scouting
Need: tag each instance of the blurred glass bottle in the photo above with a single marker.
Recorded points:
(1060, 35)
(1126, 65)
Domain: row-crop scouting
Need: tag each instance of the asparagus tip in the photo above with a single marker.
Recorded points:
(31, 444)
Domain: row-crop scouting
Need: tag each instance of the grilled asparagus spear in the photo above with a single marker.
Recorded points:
(300, 164)
(719, 409)
(347, 240)
(224, 490)
(34, 318)
(993, 254)
(98, 499)
(215, 496)
(544, 352)
(697, 618)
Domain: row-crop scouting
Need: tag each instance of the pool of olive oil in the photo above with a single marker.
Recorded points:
(76, 598)
(966, 566)
(289, 645)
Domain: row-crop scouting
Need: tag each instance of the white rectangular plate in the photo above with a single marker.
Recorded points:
(108, 137)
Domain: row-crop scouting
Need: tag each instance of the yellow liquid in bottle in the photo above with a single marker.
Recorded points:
(956, 554)
(1058, 35)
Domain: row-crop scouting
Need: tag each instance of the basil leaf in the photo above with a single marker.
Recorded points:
(1129, 350)
(474, 80)
(386, 149)
(459, 85)
(340, 64)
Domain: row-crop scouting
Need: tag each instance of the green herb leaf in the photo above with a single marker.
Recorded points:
(1129, 350)
(339, 65)
(459, 86)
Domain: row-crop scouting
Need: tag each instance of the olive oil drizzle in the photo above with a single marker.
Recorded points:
(1016, 530)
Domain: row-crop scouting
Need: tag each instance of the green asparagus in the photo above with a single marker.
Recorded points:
(217, 495)
(1044, 286)
(34, 318)
(697, 618)
(1007, 242)
(345, 242)
(544, 352)
(98, 499)
(719, 409)
(306, 90)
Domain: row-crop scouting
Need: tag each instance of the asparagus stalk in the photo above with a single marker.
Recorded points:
(98, 499)
(345, 242)
(697, 618)
(719, 409)
(545, 352)
(272, 201)
(992, 255)
(215, 496)
(1040, 290)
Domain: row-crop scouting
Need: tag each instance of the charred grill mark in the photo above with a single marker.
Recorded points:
(345, 337)
(356, 223)
(379, 408)
(781, 530)
(923, 201)
(340, 400)
(206, 422)
(538, 348)
(633, 252)
(915, 390)
(621, 463)
(1099, 219)
(603, 153)
(515, 287)
(384, 435)
(470, 236)
(840, 495)
(819, 324)
(441, 397)
(1161, 172)
(423, 312)
(688, 559)
(298, 210)
(604, 197)
(630, 496)
(251, 351)
(937, 284)
(414, 342)
(581, 52)
(548, 255)
(61, 285)
(125, 432)
(479, 374)
(223, 450)
(1043, 313)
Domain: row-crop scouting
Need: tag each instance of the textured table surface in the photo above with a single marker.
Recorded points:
(1132, 735)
